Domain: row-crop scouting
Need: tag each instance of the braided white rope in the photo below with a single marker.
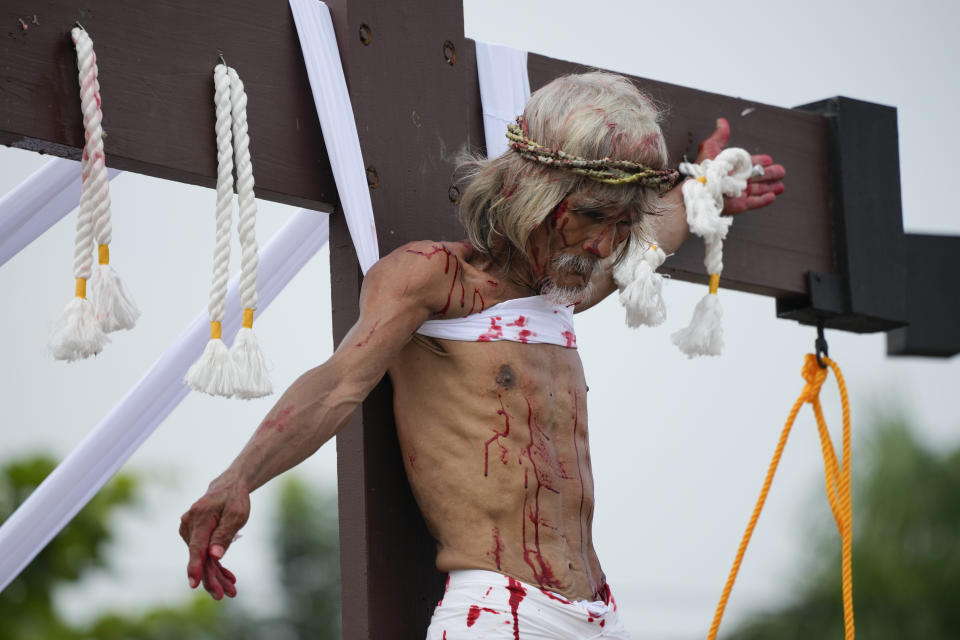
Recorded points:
(78, 333)
(242, 370)
(214, 372)
(113, 305)
(253, 380)
(725, 175)
(641, 287)
(245, 198)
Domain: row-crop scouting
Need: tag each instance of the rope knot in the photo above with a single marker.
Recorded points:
(815, 377)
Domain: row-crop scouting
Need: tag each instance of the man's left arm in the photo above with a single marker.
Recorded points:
(671, 228)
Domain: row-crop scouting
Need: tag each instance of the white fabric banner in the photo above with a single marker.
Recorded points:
(504, 91)
(101, 453)
(322, 58)
(38, 203)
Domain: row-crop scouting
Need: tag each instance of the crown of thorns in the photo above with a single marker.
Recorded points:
(605, 170)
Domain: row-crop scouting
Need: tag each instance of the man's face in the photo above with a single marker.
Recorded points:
(570, 244)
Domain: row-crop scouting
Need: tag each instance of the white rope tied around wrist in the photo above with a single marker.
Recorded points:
(641, 287)
(726, 175)
(78, 333)
(242, 370)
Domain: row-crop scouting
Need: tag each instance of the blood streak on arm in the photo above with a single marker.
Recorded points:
(446, 269)
(279, 422)
(497, 550)
(369, 335)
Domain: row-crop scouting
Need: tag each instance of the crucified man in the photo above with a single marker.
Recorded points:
(489, 392)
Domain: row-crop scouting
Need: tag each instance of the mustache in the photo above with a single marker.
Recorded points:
(575, 263)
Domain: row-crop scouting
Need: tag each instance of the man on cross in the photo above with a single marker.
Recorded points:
(489, 392)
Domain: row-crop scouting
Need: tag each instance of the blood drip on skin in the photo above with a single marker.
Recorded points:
(369, 335)
(446, 269)
(496, 551)
(583, 532)
(278, 423)
(560, 220)
(474, 613)
(517, 593)
(495, 332)
(473, 304)
(533, 557)
(496, 438)
(570, 337)
(493, 283)
(554, 596)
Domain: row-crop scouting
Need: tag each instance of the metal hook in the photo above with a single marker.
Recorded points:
(222, 59)
(79, 25)
(820, 345)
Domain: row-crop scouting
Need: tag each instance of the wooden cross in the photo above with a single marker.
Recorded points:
(412, 79)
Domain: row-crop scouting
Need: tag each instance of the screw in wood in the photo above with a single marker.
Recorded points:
(372, 178)
(366, 34)
(449, 53)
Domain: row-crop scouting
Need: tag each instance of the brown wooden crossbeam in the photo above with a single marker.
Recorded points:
(832, 248)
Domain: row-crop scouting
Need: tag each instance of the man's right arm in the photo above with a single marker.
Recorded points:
(398, 295)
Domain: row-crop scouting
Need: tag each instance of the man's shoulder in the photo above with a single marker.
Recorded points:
(419, 272)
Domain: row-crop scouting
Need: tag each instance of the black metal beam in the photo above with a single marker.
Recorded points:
(932, 301)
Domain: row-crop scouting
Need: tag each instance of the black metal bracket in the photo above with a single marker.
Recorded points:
(884, 279)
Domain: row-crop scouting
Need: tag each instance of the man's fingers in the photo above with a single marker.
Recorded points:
(227, 573)
(755, 202)
(230, 522)
(211, 579)
(771, 173)
(713, 145)
(199, 538)
(760, 188)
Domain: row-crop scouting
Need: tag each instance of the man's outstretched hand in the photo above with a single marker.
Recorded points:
(761, 190)
(208, 528)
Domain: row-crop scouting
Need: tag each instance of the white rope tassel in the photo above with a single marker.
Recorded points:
(727, 174)
(115, 308)
(214, 372)
(641, 287)
(78, 333)
(253, 379)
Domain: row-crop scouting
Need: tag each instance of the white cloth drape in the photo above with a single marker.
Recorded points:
(329, 86)
(504, 91)
(38, 203)
(98, 456)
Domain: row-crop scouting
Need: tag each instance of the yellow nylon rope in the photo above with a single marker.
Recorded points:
(837, 481)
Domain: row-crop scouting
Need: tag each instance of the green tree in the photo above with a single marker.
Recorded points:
(906, 552)
(26, 605)
(306, 541)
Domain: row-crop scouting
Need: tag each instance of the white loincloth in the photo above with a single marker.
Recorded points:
(490, 606)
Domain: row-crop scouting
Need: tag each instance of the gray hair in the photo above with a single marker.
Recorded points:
(593, 115)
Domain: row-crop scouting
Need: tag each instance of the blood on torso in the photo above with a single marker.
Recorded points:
(494, 442)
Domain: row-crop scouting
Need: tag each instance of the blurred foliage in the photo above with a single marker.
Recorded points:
(906, 551)
(306, 542)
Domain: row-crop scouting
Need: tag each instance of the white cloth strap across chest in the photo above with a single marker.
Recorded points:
(533, 320)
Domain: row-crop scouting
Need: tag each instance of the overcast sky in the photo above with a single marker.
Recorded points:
(679, 447)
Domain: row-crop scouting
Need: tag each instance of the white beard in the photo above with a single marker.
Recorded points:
(566, 295)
